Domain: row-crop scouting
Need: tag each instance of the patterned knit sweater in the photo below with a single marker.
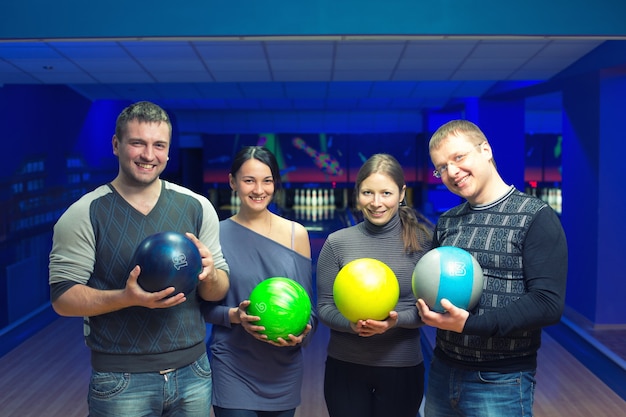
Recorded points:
(520, 244)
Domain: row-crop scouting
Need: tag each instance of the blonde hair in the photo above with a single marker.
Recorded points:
(457, 128)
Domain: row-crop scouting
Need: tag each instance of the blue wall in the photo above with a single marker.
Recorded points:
(611, 285)
(38, 137)
(37, 120)
(593, 143)
(581, 126)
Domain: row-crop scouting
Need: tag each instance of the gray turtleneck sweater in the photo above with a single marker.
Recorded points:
(399, 346)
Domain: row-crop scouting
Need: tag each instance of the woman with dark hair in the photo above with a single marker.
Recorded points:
(252, 375)
(374, 368)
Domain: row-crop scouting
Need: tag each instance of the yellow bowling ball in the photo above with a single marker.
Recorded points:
(366, 288)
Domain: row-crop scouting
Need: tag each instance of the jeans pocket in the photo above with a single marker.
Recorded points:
(202, 367)
(108, 384)
(500, 378)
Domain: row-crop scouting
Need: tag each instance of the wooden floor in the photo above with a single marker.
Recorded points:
(47, 375)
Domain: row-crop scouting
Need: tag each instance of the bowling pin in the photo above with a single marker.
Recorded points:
(233, 203)
(551, 198)
(314, 197)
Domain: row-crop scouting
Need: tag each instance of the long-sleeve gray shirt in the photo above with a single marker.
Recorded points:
(399, 346)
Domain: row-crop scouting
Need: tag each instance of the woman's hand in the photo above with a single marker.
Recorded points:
(370, 327)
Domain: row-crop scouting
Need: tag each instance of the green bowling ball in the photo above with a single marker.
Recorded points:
(283, 305)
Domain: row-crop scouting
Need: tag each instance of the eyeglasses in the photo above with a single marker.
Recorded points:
(458, 159)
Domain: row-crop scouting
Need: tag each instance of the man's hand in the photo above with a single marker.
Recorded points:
(453, 318)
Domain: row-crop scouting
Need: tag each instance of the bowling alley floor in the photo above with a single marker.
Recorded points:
(48, 375)
(610, 338)
(613, 339)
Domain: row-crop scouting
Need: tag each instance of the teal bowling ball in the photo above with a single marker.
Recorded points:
(168, 259)
(283, 306)
(448, 272)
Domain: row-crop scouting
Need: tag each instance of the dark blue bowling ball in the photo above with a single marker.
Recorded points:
(168, 259)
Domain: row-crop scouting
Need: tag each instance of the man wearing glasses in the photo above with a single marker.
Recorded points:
(485, 359)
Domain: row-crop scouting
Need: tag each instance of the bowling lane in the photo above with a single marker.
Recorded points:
(319, 220)
(319, 225)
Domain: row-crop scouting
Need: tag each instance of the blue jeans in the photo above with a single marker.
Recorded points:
(183, 392)
(454, 392)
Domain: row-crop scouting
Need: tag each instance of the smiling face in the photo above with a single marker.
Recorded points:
(379, 197)
(142, 151)
(254, 185)
(465, 166)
